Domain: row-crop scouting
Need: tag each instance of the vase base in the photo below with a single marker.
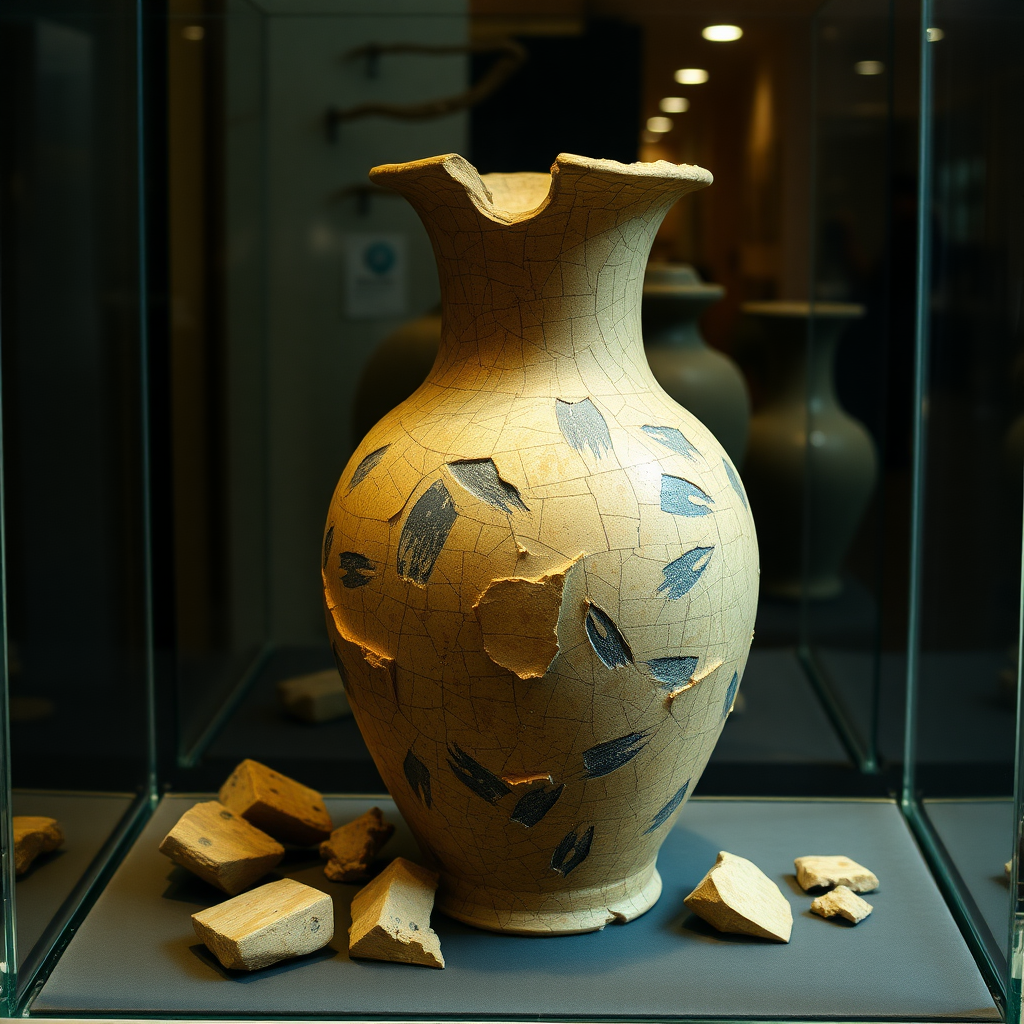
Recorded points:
(622, 902)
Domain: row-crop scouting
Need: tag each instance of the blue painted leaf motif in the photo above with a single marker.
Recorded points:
(666, 812)
(480, 478)
(328, 541)
(604, 758)
(673, 673)
(730, 695)
(681, 575)
(365, 466)
(572, 851)
(682, 498)
(532, 807)
(417, 774)
(735, 481)
(425, 531)
(672, 439)
(475, 776)
(608, 643)
(358, 569)
(583, 426)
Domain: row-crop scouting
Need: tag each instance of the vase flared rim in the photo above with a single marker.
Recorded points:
(565, 171)
(798, 309)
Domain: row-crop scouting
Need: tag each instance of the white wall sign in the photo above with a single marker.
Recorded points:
(376, 278)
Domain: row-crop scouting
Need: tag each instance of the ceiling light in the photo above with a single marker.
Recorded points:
(869, 67)
(691, 76)
(934, 34)
(674, 105)
(659, 124)
(722, 33)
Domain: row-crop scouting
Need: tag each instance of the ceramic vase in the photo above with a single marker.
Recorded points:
(698, 377)
(811, 467)
(540, 572)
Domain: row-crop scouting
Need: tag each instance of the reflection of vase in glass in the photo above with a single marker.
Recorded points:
(805, 448)
(540, 572)
(395, 369)
(698, 377)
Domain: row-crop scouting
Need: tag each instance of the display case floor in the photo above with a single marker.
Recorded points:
(136, 953)
(978, 836)
(88, 821)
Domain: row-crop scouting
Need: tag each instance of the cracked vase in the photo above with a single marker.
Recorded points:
(540, 572)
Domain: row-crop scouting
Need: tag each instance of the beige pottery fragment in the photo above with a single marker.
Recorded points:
(540, 572)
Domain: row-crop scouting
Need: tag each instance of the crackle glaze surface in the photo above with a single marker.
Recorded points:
(540, 572)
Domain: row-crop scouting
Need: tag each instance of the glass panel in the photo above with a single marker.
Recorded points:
(970, 488)
(845, 347)
(73, 450)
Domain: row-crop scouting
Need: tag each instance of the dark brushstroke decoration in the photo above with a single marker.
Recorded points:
(339, 664)
(604, 758)
(366, 466)
(672, 439)
(730, 694)
(681, 576)
(480, 478)
(475, 776)
(666, 812)
(358, 569)
(735, 481)
(328, 541)
(417, 774)
(583, 426)
(425, 531)
(673, 673)
(682, 498)
(535, 804)
(608, 643)
(572, 851)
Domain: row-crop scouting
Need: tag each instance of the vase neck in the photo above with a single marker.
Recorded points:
(549, 289)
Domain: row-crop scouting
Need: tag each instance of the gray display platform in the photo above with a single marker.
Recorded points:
(136, 953)
(88, 821)
(978, 835)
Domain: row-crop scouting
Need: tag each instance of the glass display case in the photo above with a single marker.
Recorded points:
(206, 305)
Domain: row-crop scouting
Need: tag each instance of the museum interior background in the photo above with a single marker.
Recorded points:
(191, 352)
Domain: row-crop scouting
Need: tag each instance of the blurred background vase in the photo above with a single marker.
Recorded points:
(697, 376)
(397, 367)
(806, 454)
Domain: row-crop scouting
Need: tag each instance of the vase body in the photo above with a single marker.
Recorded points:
(701, 379)
(804, 448)
(540, 573)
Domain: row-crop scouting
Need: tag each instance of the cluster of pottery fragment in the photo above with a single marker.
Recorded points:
(737, 896)
(234, 841)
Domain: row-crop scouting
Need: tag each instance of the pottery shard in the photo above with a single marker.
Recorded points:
(317, 697)
(736, 896)
(842, 902)
(33, 836)
(352, 848)
(826, 872)
(221, 848)
(281, 807)
(276, 921)
(391, 917)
